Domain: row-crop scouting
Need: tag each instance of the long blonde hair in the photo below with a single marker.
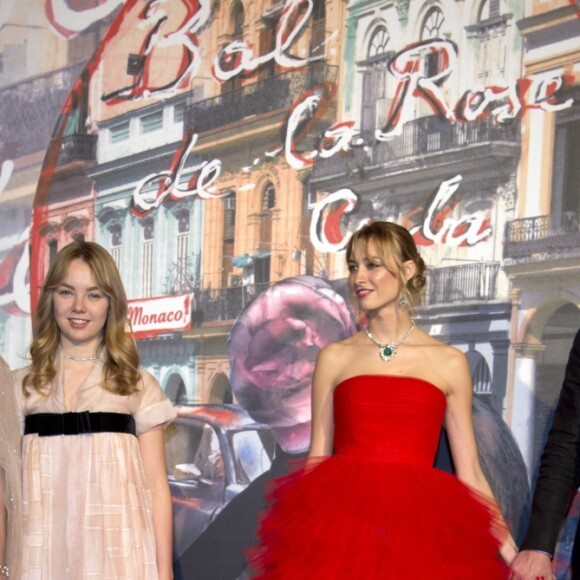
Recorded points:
(392, 241)
(121, 368)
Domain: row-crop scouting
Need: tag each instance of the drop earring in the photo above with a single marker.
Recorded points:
(403, 302)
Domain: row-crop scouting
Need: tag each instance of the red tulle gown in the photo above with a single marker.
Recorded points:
(377, 508)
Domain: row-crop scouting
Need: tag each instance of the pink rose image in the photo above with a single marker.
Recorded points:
(273, 348)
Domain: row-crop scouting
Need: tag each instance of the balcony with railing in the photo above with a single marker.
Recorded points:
(465, 283)
(29, 111)
(274, 93)
(530, 239)
(426, 136)
(224, 304)
(475, 282)
(77, 147)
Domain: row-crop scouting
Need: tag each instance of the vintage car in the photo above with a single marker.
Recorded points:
(212, 453)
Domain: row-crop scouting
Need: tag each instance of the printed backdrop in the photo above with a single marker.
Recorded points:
(224, 151)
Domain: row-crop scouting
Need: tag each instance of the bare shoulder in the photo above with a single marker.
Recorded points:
(334, 358)
(442, 350)
(335, 350)
(448, 366)
(453, 357)
(454, 369)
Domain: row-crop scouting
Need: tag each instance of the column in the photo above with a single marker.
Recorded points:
(524, 394)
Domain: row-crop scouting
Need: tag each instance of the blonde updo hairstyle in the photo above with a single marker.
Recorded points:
(121, 367)
(386, 241)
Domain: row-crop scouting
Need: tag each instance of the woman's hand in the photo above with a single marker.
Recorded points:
(532, 565)
(508, 550)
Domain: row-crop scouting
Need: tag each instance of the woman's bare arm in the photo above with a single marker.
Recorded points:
(322, 404)
(153, 453)
(459, 425)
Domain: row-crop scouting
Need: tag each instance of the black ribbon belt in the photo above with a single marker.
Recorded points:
(49, 424)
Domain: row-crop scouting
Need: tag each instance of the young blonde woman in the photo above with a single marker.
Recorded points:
(10, 516)
(96, 501)
(377, 509)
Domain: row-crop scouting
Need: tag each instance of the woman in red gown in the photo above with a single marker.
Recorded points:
(368, 504)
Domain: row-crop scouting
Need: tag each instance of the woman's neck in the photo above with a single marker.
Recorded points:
(84, 352)
(388, 327)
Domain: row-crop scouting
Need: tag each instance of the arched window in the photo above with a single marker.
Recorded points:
(374, 107)
(182, 246)
(229, 205)
(432, 28)
(378, 43)
(480, 374)
(229, 202)
(238, 18)
(115, 241)
(565, 215)
(484, 11)
(49, 233)
(148, 241)
(432, 24)
(262, 264)
(75, 227)
(269, 197)
(318, 9)
(52, 250)
(116, 232)
(490, 31)
(111, 221)
(220, 391)
(318, 18)
(175, 389)
(182, 274)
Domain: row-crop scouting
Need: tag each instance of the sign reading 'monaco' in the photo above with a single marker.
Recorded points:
(152, 316)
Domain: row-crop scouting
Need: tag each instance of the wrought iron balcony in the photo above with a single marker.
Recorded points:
(77, 148)
(475, 282)
(528, 238)
(224, 303)
(271, 94)
(29, 111)
(420, 137)
(463, 283)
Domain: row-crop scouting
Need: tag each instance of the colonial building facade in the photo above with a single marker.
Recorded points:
(447, 173)
(542, 241)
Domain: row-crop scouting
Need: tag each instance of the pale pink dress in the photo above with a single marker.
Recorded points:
(86, 502)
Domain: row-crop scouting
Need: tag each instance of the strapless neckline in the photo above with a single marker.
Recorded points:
(376, 508)
(388, 418)
(394, 378)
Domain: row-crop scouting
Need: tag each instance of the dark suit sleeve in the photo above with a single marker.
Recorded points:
(559, 468)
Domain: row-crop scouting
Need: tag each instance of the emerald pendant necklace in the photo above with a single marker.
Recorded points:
(388, 351)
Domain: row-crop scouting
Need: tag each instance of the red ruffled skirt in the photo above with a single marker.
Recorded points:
(353, 519)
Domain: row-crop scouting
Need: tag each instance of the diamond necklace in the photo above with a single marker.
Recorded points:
(388, 351)
(79, 358)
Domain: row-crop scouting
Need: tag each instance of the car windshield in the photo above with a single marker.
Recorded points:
(192, 450)
(252, 451)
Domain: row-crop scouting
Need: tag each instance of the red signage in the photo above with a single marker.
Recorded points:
(153, 316)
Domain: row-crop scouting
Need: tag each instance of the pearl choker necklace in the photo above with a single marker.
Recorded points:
(388, 351)
(79, 358)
